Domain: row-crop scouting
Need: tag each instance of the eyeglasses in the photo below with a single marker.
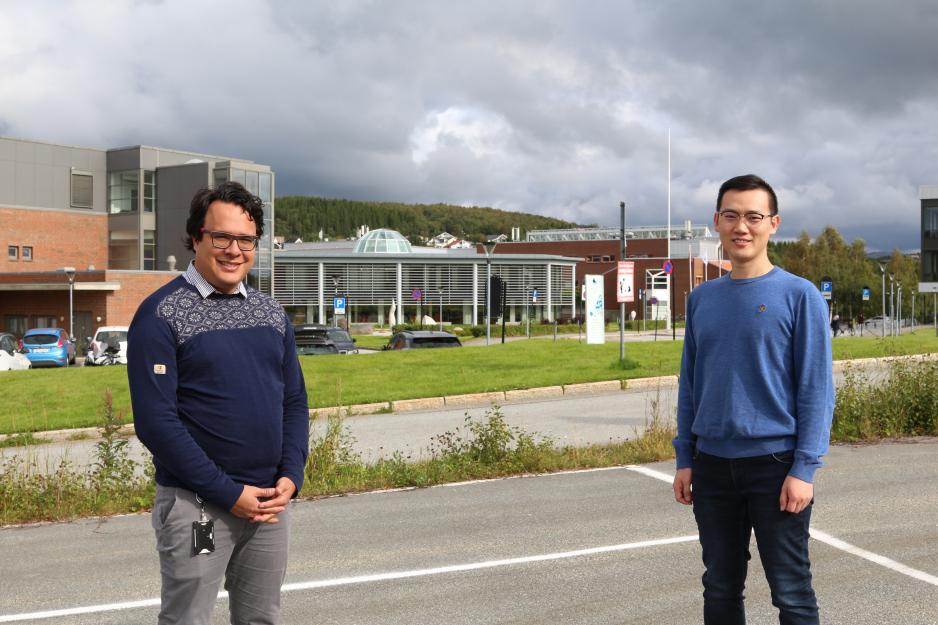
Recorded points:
(731, 218)
(222, 240)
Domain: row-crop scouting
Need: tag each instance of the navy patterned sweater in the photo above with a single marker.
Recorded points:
(217, 391)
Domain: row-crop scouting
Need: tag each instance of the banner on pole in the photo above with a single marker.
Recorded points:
(625, 281)
(595, 309)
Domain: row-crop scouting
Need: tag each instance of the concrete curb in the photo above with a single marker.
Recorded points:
(474, 399)
(586, 388)
(664, 381)
(534, 393)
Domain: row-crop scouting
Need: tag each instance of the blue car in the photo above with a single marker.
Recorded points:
(49, 346)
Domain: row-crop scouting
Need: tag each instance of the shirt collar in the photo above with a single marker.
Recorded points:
(203, 286)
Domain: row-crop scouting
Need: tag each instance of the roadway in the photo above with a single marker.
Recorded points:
(591, 547)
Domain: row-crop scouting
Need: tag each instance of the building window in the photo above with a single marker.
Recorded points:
(16, 324)
(123, 191)
(929, 266)
(250, 182)
(265, 187)
(13, 252)
(237, 175)
(82, 190)
(149, 250)
(221, 176)
(149, 191)
(27, 252)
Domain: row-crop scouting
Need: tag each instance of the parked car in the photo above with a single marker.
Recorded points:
(343, 342)
(108, 337)
(11, 358)
(48, 346)
(314, 345)
(422, 339)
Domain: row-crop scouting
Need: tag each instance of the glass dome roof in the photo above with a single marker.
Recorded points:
(383, 241)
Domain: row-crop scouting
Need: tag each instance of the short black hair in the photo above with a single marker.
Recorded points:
(749, 182)
(230, 192)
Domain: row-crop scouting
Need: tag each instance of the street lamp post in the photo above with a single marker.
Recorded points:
(898, 307)
(335, 317)
(70, 274)
(489, 247)
(882, 269)
(892, 304)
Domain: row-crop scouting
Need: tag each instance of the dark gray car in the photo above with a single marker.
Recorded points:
(422, 339)
(343, 342)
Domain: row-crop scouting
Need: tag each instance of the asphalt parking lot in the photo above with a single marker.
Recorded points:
(607, 546)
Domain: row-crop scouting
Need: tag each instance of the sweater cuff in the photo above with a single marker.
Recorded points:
(684, 452)
(803, 468)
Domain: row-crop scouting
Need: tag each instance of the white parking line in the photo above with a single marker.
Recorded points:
(827, 539)
(364, 579)
(898, 567)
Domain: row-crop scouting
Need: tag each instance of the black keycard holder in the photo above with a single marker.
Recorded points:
(203, 537)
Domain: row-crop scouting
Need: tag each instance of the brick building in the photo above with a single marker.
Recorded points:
(695, 256)
(116, 216)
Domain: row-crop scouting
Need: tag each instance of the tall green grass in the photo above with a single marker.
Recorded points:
(902, 401)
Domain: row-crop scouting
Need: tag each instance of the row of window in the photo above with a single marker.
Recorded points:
(14, 251)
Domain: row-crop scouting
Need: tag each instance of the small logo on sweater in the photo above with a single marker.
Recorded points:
(761, 307)
(159, 369)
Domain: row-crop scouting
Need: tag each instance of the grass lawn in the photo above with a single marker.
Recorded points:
(48, 399)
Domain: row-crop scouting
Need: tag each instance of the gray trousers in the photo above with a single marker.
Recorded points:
(252, 558)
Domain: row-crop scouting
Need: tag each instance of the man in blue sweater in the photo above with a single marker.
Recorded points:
(219, 399)
(754, 412)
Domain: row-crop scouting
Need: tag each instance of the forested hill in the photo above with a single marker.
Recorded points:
(302, 217)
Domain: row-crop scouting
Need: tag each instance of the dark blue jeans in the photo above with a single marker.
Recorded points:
(731, 499)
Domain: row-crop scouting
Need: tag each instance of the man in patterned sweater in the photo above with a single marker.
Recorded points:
(219, 399)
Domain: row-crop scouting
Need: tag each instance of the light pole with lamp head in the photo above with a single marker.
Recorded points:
(898, 307)
(70, 274)
(892, 304)
(489, 247)
(335, 317)
(882, 269)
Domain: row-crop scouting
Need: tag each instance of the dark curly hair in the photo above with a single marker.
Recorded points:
(230, 192)
(749, 182)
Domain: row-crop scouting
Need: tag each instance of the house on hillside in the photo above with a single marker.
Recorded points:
(448, 241)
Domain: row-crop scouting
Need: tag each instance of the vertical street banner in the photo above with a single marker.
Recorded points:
(625, 282)
(595, 310)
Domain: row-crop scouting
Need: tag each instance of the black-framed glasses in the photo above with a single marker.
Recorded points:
(731, 218)
(222, 240)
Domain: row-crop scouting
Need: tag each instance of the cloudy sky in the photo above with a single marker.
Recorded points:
(554, 107)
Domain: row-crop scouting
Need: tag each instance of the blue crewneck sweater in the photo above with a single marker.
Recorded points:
(756, 371)
(217, 391)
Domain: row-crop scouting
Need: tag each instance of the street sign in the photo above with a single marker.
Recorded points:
(338, 304)
(416, 294)
(667, 267)
(653, 301)
(625, 281)
(827, 287)
(866, 294)
(534, 294)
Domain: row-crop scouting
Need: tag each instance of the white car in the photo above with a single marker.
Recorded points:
(10, 357)
(107, 336)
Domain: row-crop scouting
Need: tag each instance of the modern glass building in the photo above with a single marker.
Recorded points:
(929, 275)
(382, 270)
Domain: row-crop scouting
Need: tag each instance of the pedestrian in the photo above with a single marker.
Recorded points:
(755, 403)
(219, 399)
(835, 325)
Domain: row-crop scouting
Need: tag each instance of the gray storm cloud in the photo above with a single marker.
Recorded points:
(555, 108)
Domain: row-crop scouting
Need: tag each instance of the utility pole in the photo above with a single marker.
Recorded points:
(622, 304)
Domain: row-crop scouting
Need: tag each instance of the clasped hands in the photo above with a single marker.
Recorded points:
(262, 505)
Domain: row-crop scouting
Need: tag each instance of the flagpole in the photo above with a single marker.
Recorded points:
(670, 277)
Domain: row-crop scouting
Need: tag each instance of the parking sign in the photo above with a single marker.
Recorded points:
(338, 304)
